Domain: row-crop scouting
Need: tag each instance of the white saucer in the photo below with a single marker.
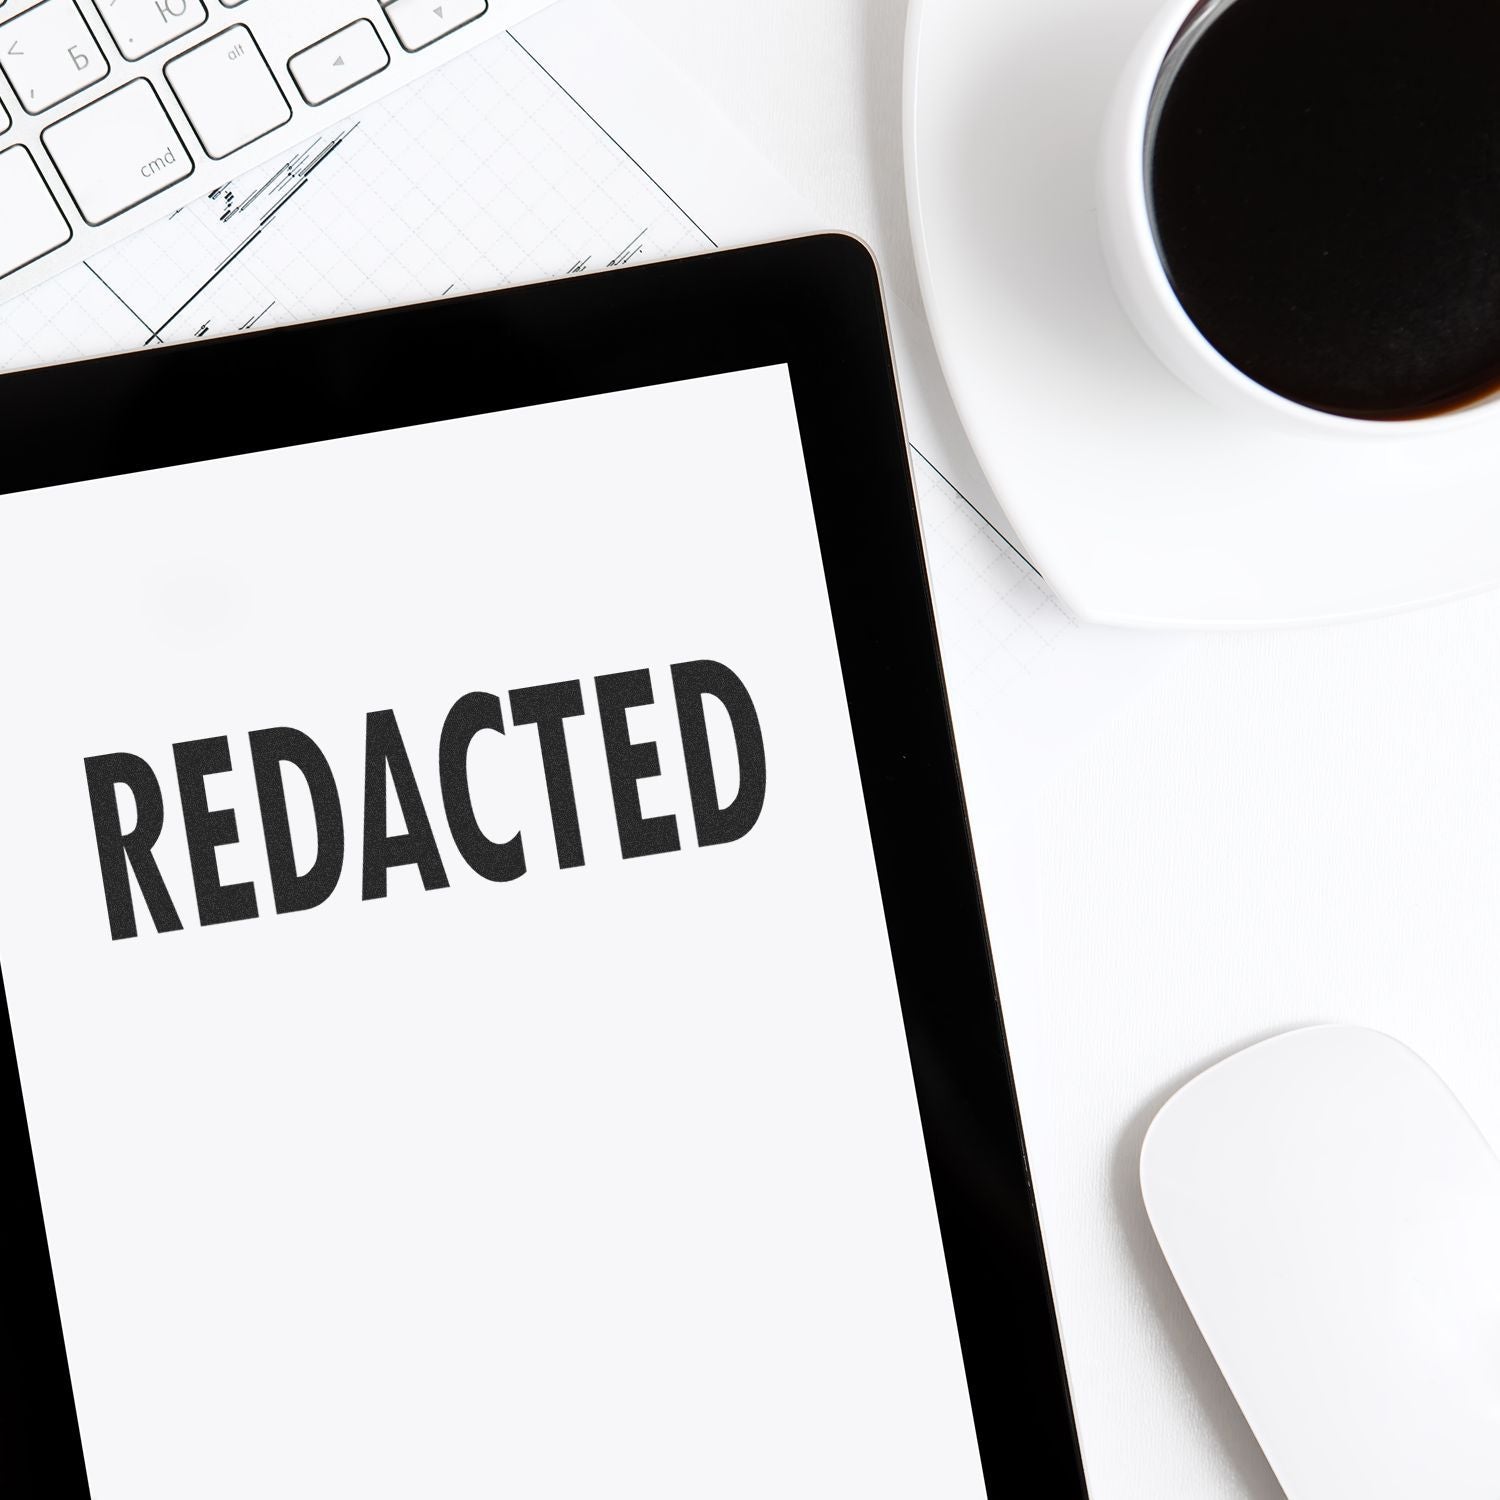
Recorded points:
(1141, 502)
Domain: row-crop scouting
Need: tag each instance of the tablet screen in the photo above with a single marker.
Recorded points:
(449, 979)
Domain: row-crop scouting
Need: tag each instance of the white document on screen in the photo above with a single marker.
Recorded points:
(421, 1163)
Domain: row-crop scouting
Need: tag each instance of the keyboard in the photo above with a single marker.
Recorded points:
(115, 113)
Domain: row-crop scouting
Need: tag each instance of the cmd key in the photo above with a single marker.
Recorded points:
(117, 152)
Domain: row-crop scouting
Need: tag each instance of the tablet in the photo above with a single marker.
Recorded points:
(499, 995)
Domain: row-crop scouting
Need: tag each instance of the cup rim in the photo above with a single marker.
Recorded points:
(1125, 161)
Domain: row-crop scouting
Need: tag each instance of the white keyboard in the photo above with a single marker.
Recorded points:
(113, 113)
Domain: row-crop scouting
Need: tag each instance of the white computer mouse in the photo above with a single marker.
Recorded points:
(1332, 1216)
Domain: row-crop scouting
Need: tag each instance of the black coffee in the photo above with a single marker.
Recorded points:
(1325, 179)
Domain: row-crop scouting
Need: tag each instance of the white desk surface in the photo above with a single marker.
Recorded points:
(1276, 830)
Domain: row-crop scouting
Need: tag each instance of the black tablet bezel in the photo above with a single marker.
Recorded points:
(813, 305)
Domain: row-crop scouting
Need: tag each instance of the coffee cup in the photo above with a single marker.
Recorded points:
(1240, 260)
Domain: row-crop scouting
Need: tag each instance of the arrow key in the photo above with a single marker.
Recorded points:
(420, 23)
(334, 65)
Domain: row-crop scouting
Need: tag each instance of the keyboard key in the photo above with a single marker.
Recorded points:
(117, 152)
(49, 54)
(324, 70)
(139, 27)
(420, 23)
(31, 223)
(228, 92)
(4, 120)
